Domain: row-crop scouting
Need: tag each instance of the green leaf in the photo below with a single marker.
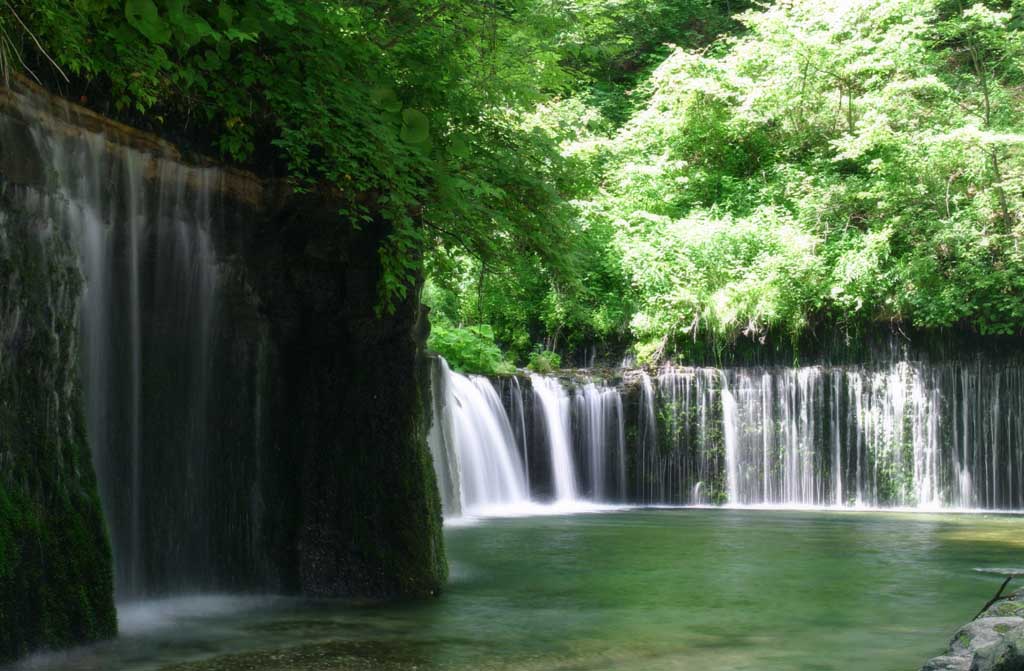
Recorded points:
(226, 14)
(415, 127)
(211, 60)
(459, 147)
(145, 18)
(236, 35)
(386, 98)
(189, 29)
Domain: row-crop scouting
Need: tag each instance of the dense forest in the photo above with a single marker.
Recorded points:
(650, 177)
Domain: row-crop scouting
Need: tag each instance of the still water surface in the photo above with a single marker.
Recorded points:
(636, 590)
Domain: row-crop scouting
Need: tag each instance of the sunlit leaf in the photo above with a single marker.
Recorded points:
(144, 17)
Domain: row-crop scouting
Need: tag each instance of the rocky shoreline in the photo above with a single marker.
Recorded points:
(992, 642)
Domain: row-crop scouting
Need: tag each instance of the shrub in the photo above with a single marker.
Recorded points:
(469, 349)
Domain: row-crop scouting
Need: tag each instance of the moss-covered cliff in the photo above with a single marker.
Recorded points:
(55, 566)
(301, 467)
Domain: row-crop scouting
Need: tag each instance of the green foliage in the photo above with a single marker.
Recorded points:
(415, 127)
(407, 113)
(566, 290)
(835, 165)
(544, 361)
(718, 273)
(469, 349)
(644, 172)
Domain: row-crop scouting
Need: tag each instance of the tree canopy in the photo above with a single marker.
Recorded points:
(644, 175)
(829, 165)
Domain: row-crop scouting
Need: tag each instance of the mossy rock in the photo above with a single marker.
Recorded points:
(1006, 609)
(1005, 655)
(56, 585)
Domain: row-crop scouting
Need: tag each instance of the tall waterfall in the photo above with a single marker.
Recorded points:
(151, 337)
(555, 404)
(473, 438)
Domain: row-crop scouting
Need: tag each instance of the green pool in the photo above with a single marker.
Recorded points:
(650, 590)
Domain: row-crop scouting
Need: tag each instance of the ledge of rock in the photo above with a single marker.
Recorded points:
(36, 108)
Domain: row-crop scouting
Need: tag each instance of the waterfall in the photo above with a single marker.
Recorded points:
(141, 244)
(647, 443)
(441, 440)
(599, 430)
(178, 514)
(836, 438)
(730, 429)
(680, 428)
(511, 392)
(484, 431)
(476, 437)
(554, 402)
(905, 434)
(900, 434)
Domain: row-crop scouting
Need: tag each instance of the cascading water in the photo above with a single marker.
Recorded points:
(511, 393)
(647, 488)
(599, 430)
(484, 433)
(179, 516)
(679, 431)
(730, 426)
(902, 434)
(473, 436)
(555, 405)
(906, 434)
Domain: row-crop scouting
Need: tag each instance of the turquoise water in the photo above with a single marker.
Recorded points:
(651, 590)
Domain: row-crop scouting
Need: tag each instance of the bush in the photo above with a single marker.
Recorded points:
(469, 349)
(544, 361)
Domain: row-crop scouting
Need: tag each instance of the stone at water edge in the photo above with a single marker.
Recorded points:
(986, 644)
(1012, 606)
(993, 642)
(948, 663)
(1006, 655)
(983, 633)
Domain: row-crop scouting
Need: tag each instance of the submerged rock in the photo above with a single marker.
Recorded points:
(325, 656)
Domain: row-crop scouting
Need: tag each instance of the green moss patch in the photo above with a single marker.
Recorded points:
(56, 585)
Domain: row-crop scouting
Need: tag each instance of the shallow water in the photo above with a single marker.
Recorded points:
(651, 590)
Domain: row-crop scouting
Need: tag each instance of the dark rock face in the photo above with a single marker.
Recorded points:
(255, 426)
(352, 407)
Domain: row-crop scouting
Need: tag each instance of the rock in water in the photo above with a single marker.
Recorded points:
(993, 642)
